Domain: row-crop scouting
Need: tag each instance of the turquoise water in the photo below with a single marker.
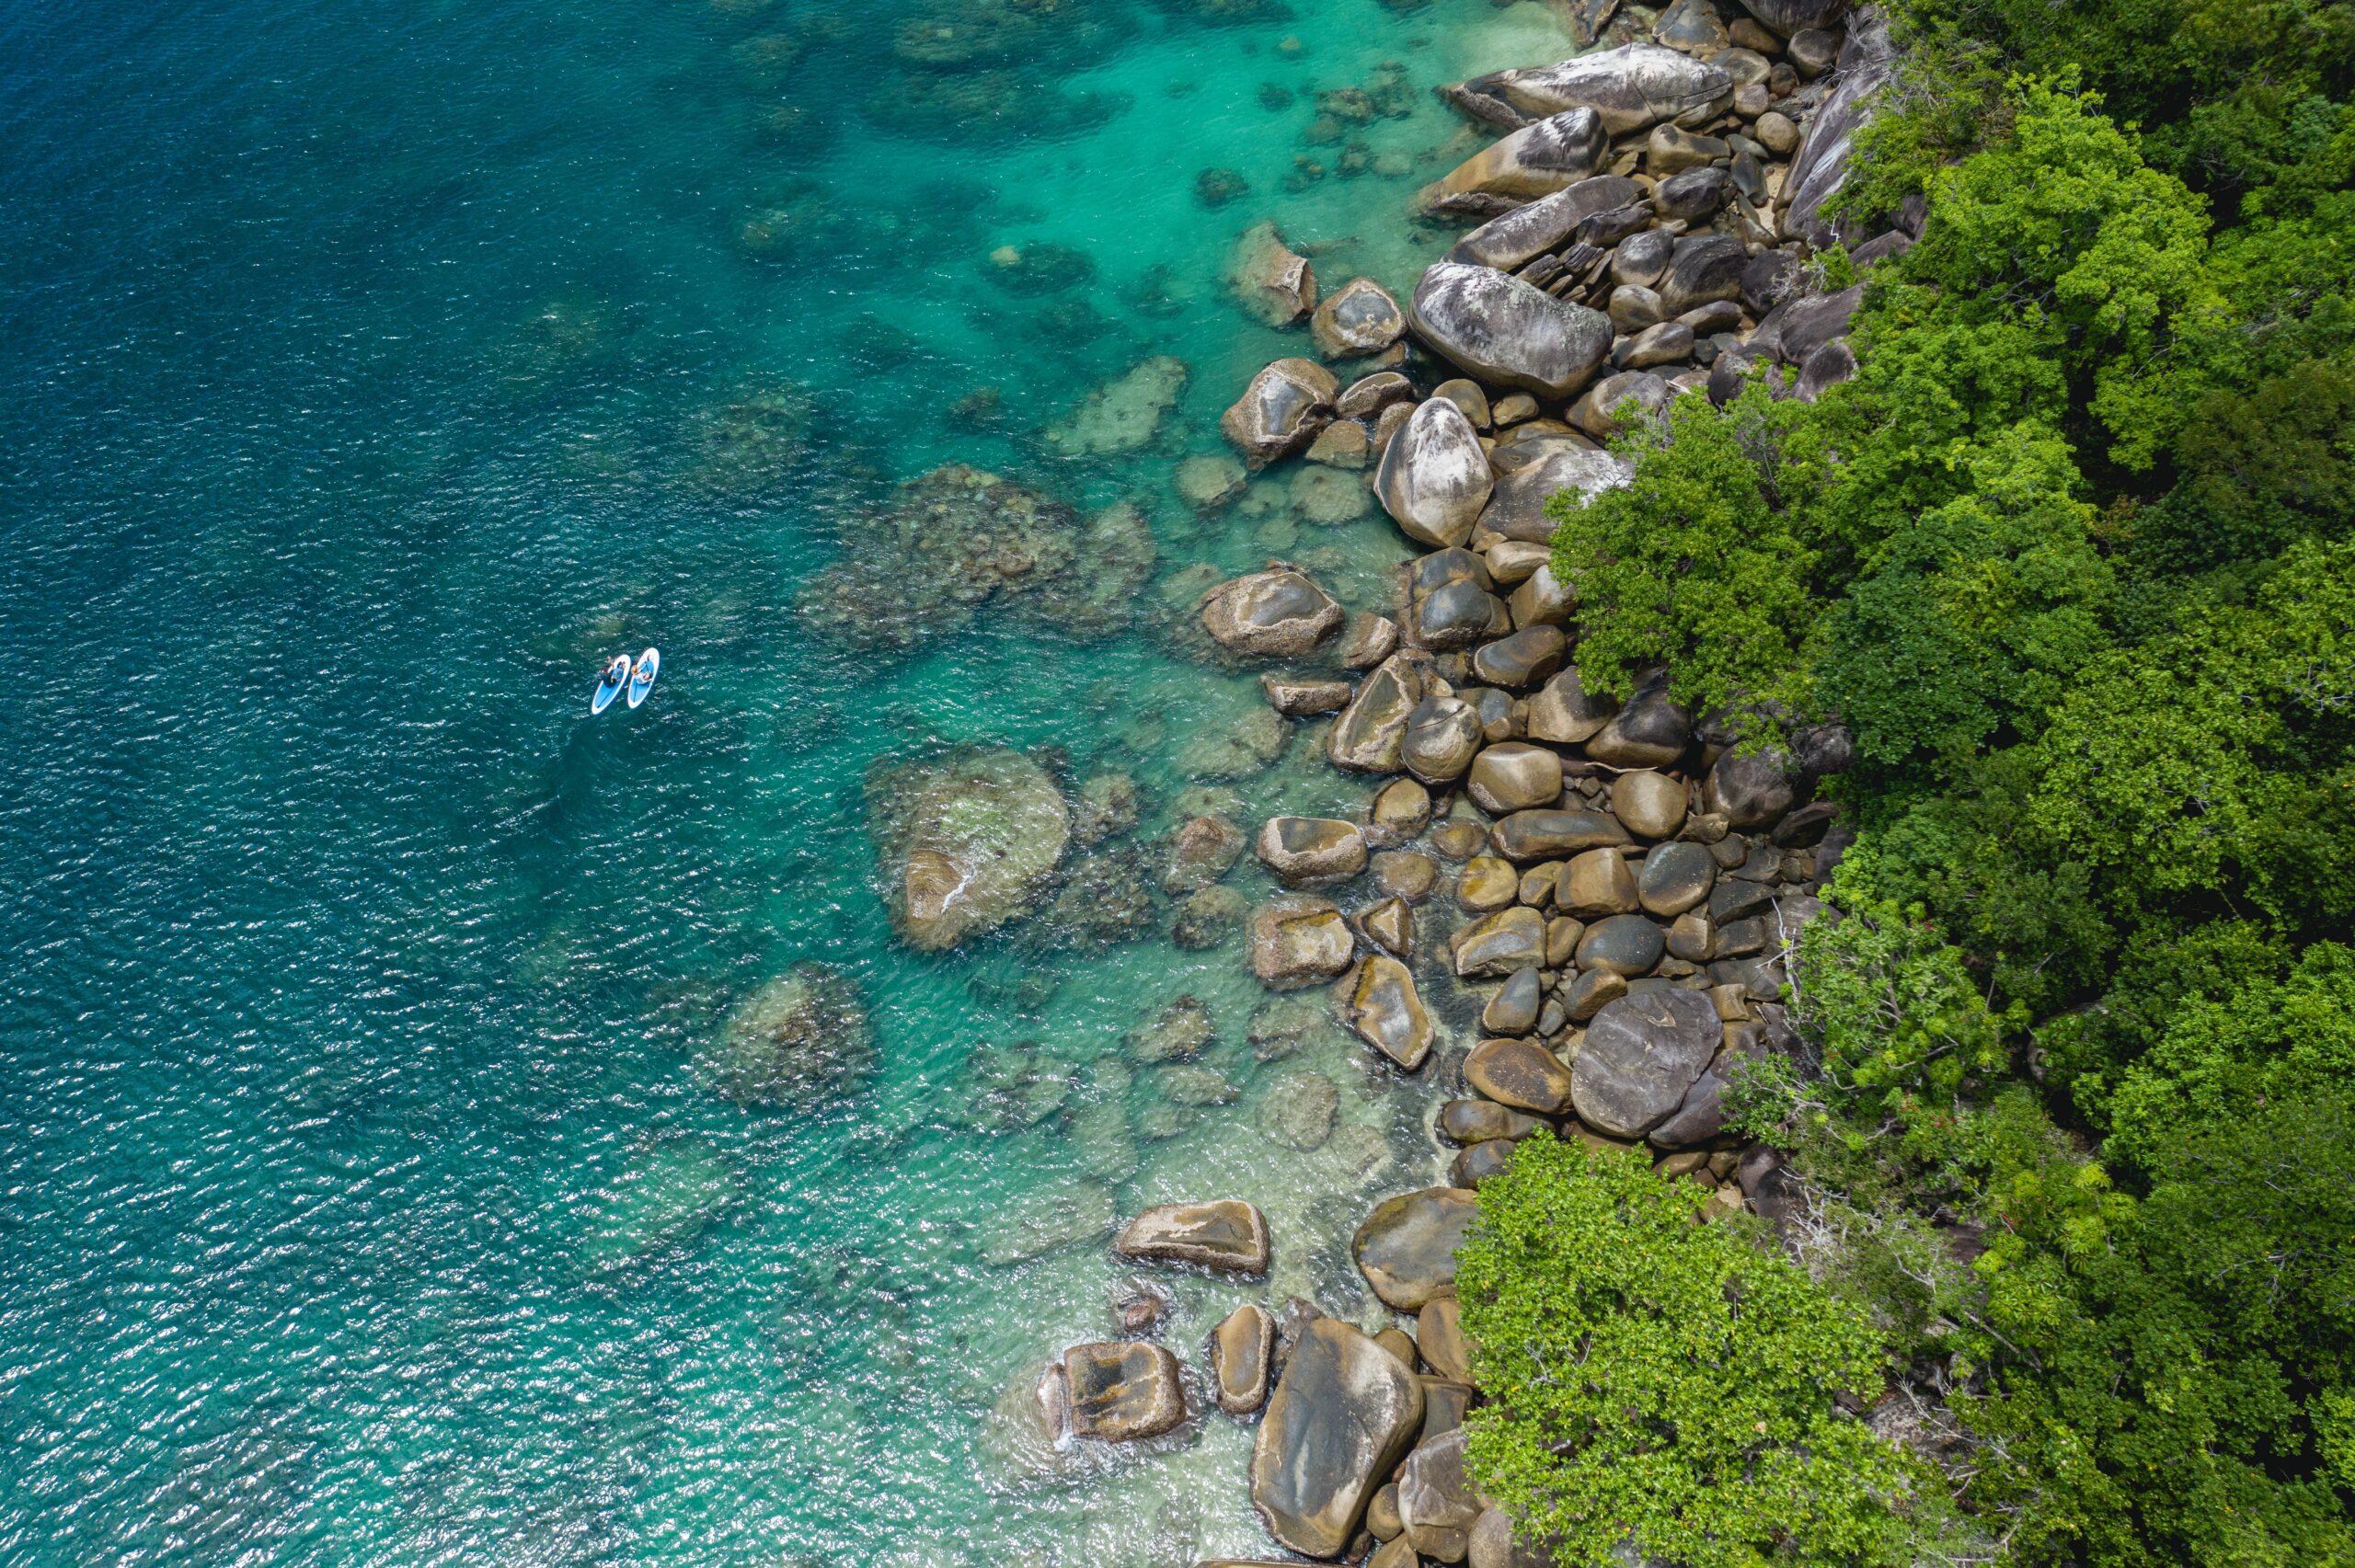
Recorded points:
(372, 373)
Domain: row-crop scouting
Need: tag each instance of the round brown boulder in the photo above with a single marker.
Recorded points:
(1650, 804)
(1407, 1247)
(1123, 1392)
(1519, 1074)
(1309, 851)
(1514, 777)
(1298, 941)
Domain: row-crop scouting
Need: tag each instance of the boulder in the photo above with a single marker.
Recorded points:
(1514, 1009)
(1523, 658)
(1181, 1033)
(1626, 945)
(1305, 699)
(1434, 477)
(1514, 777)
(1209, 481)
(1631, 88)
(1343, 1414)
(1399, 811)
(1277, 614)
(1700, 1118)
(1751, 788)
(1281, 412)
(1243, 1353)
(1405, 874)
(1693, 27)
(1516, 507)
(1456, 616)
(1496, 945)
(1369, 395)
(1389, 925)
(1486, 885)
(1275, 284)
(1387, 1013)
(1694, 196)
(1123, 1392)
(1517, 1074)
(1358, 318)
(1492, 1543)
(1563, 713)
(1668, 151)
(1482, 1121)
(967, 842)
(1367, 639)
(1227, 1236)
(1641, 259)
(1702, 268)
(1201, 851)
(1641, 1056)
(1596, 884)
(800, 1040)
(1825, 369)
(1407, 1247)
(1370, 735)
(1788, 16)
(1591, 993)
(1866, 62)
(1443, 737)
(1298, 941)
(1437, 1500)
(1439, 1336)
(1311, 851)
(1650, 804)
(1803, 326)
(1676, 877)
(1528, 232)
(1542, 601)
(1549, 835)
(1539, 159)
(1649, 732)
(1506, 331)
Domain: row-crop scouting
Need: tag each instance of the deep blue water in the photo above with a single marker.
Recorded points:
(368, 374)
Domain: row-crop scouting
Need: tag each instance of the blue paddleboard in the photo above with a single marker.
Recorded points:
(617, 676)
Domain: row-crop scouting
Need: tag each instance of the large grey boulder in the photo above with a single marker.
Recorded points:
(1227, 1236)
(1787, 16)
(1505, 331)
(1641, 1056)
(1631, 88)
(1539, 159)
(1537, 227)
(1516, 507)
(1281, 412)
(1434, 477)
(1277, 614)
(1702, 268)
(1868, 64)
(1752, 788)
(1407, 1247)
(1343, 1414)
(1438, 1503)
(1804, 326)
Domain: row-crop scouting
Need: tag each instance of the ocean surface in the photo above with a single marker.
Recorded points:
(369, 375)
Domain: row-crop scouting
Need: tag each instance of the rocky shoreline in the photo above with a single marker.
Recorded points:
(1620, 883)
(1609, 888)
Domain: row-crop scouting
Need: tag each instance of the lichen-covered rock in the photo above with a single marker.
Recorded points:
(1434, 477)
(1528, 478)
(1507, 332)
(1517, 1074)
(1632, 88)
(800, 1040)
(1539, 159)
(967, 842)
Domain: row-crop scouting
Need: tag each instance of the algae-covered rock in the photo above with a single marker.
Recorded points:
(799, 1040)
(1122, 415)
(1046, 1220)
(966, 841)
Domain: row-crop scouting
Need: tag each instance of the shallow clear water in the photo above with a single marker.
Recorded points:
(368, 374)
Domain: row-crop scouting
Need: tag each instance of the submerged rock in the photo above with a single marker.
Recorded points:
(1298, 941)
(1275, 283)
(1122, 415)
(1044, 1220)
(799, 1040)
(966, 841)
(664, 1196)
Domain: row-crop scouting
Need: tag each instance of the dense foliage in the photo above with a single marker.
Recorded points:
(2073, 557)
(1655, 1382)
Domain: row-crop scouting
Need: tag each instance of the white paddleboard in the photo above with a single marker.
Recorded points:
(641, 679)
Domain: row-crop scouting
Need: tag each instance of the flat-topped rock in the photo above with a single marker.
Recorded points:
(1514, 777)
(1309, 851)
(1123, 1392)
(1298, 941)
(1343, 1414)
(1521, 1075)
(1226, 1236)
(1274, 283)
(1407, 1247)
(1358, 318)
(1280, 411)
(1243, 1353)
(1277, 614)
(1387, 1011)
(1642, 1054)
